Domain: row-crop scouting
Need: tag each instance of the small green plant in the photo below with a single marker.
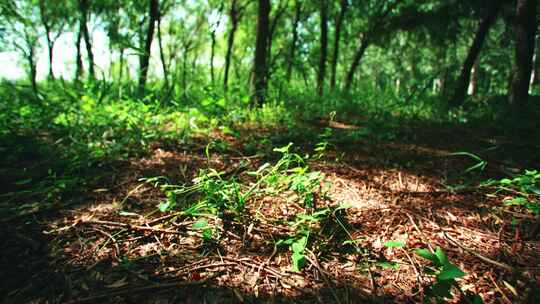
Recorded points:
(524, 190)
(445, 274)
(206, 232)
(479, 166)
(297, 245)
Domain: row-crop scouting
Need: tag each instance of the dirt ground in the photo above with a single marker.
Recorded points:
(114, 246)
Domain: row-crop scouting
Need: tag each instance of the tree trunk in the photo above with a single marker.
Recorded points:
(337, 35)
(356, 61)
(33, 71)
(534, 77)
(50, 43)
(482, 32)
(525, 34)
(144, 59)
(324, 47)
(366, 41)
(83, 27)
(273, 26)
(161, 54)
(234, 15)
(298, 12)
(79, 68)
(213, 46)
(473, 85)
(260, 68)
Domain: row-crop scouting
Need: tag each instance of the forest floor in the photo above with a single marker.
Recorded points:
(110, 244)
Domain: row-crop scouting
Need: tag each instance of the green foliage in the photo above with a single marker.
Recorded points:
(522, 190)
(445, 273)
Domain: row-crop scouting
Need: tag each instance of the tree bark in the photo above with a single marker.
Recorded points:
(50, 41)
(213, 46)
(324, 47)
(83, 27)
(234, 15)
(525, 34)
(473, 85)
(79, 68)
(481, 34)
(161, 54)
(144, 59)
(33, 70)
(356, 61)
(337, 36)
(297, 14)
(260, 69)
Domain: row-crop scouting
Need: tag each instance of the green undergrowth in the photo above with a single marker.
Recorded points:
(67, 138)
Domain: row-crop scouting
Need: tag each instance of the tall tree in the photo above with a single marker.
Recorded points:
(53, 20)
(323, 47)
(481, 33)
(235, 14)
(215, 27)
(290, 60)
(525, 33)
(83, 28)
(79, 63)
(161, 10)
(366, 39)
(337, 37)
(144, 58)
(260, 69)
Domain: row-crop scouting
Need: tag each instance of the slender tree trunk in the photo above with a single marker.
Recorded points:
(297, 14)
(481, 34)
(79, 68)
(260, 68)
(234, 16)
(49, 40)
(50, 47)
(83, 27)
(534, 77)
(324, 47)
(161, 54)
(337, 35)
(356, 62)
(121, 59)
(33, 71)
(214, 42)
(473, 85)
(365, 41)
(525, 34)
(144, 59)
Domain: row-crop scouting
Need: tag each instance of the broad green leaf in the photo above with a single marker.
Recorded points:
(394, 244)
(426, 254)
(450, 272)
(443, 260)
(288, 242)
(298, 260)
(299, 245)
